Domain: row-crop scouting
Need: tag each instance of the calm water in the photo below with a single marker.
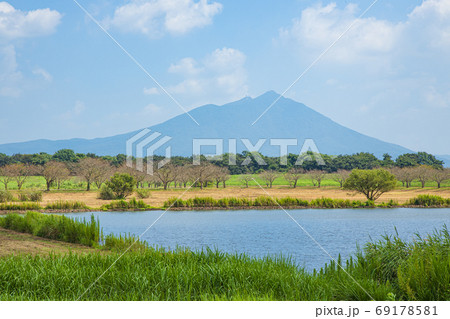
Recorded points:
(272, 232)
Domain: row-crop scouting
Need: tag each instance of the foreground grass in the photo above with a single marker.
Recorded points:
(389, 269)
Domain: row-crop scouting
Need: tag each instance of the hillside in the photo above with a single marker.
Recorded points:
(286, 119)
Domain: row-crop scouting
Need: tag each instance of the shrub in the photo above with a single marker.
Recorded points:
(143, 193)
(121, 184)
(66, 205)
(5, 196)
(22, 196)
(33, 196)
(123, 204)
(106, 193)
(429, 200)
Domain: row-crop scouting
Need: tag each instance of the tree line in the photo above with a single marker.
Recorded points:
(98, 171)
(246, 163)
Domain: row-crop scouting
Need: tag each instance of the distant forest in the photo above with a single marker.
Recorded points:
(253, 164)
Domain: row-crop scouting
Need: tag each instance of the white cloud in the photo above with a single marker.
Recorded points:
(383, 71)
(151, 109)
(20, 24)
(319, 26)
(154, 18)
(151, 91)
(434, 98)
(429, 24)
(43, 73)
(221, 73)
(16, 24)
(185, 66)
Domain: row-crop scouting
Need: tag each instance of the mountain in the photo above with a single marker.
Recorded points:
(287, 119)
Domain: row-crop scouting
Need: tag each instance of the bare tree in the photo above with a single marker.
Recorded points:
(316, 177)
(202, 174)
(341, 176)
(269, 177)
(294, 175)
(405, 175)
(220, 175)
(20, 173)
(245, 179)
(52, 171)
(6, 175)
(423, 174)
(88, 169)
(103, 173)
(440, 175)
(166, 174)
(64, 175)
(184, 175)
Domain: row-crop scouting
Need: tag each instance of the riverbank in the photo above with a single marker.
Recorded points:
(159, 196)
(227, 203)
(387, 269)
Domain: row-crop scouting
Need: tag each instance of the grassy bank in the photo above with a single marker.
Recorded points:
(55, 227)
(77, 184)
(289, 202)
(259, 202)
(389, 269)
(55, 206)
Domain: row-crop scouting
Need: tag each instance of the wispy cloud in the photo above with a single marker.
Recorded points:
(43, 73)
(151, 91)
(73, 113)
(220, 73)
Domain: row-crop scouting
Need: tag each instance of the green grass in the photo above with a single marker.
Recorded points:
(265, 201)
(131, 204)
(75, 184)
(65, 205)
(306, 182)
(20, 206)
(38, 183)
(55, 227)
(429, 200)
(389, 269)
(385, 270)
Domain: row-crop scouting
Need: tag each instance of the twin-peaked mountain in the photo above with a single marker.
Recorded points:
(287, 119)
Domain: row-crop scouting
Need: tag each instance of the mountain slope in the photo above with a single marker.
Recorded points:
(287, 119)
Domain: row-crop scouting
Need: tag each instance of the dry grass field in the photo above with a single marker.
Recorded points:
(158, 197)
(14, 243)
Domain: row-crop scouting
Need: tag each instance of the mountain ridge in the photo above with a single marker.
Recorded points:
(287, 119)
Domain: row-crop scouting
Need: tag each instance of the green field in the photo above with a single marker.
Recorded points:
(76, 184)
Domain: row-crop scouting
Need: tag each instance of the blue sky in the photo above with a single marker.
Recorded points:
(61, 76)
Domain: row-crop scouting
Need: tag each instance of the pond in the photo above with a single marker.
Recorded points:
(272, 232)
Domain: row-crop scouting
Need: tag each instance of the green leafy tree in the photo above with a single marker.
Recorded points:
(65, 155)
(121, 184)
(387, 161)
(371, 183)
